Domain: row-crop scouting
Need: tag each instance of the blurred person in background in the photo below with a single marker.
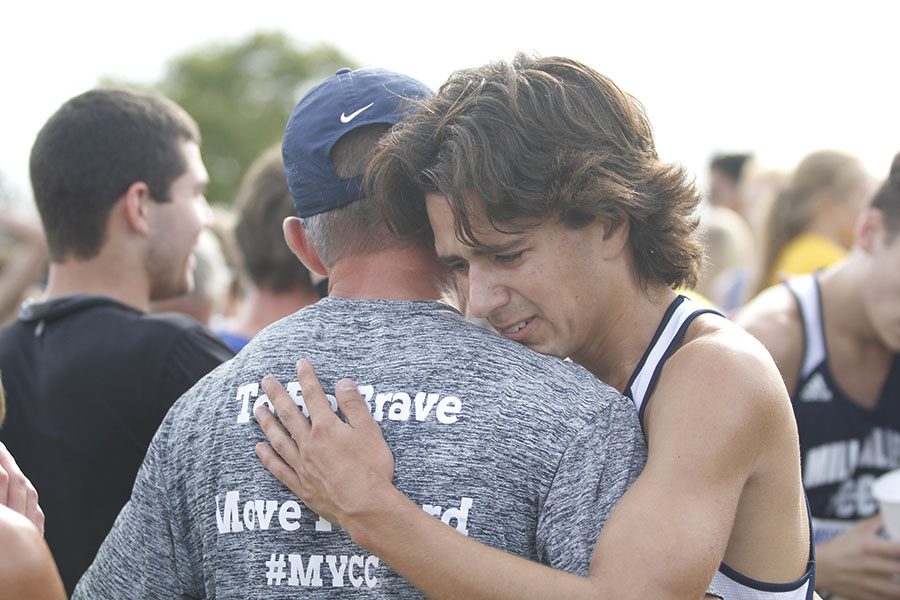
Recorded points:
(810, 223)
(835, 336)
(212, 281)
(759, 188)
(727, 271)
(16, 491)
(119, 183)
(27, 570)
(23, 259)
(725, 176)
(275, 284)
(222, 226)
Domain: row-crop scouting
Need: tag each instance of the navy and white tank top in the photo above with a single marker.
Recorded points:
(726, 583)
(844, 445)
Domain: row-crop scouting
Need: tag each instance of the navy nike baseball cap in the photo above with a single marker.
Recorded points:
(331, 109)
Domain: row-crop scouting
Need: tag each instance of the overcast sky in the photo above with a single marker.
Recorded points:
(780, 79)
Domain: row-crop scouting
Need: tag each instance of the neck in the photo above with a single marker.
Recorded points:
(412, 273)
(263, 307)
(627, 331)
(104, 275)
(845, 313)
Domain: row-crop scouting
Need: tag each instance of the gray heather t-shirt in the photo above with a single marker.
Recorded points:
(521, 451)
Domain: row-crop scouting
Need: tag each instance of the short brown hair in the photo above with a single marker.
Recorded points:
(263, 203)
(92, 150)
(541, 137)
(357, 228)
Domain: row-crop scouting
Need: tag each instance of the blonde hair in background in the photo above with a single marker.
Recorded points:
(795, 206)
(759, 186)
(729, 245)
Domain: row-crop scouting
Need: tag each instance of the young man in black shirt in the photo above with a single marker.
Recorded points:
(119, 183)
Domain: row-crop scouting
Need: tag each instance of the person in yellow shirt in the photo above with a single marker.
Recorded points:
(810, 225)
(806, 253)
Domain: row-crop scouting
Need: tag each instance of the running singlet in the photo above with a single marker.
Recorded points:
(726, 583)
(844, 446)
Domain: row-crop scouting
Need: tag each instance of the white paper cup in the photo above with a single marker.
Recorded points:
(886, 490)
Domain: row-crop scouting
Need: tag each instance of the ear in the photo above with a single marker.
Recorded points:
(136, 207)
(870, 230)
(615, 234)
(296, 239)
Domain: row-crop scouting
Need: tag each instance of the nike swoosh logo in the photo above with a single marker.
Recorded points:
(353, 115)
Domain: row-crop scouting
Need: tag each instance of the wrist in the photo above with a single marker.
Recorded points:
(376, 517)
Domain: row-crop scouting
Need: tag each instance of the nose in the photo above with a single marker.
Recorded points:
(485, 293)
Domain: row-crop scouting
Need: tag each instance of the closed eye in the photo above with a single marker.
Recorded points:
(458, 266)
(508, 258)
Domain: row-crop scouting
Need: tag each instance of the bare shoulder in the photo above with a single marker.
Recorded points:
(722, 386)
(713, 333)
(724, 355)
(774, 319)
(27, 569)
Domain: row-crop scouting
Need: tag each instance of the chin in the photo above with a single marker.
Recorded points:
(547, 349)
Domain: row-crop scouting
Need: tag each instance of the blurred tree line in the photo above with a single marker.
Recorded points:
(241, 95)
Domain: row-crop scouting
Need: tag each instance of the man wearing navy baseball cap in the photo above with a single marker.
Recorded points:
(515, 449)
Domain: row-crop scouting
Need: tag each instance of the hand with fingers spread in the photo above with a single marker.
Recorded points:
(859, 564)
(16, 490)
(330, 464)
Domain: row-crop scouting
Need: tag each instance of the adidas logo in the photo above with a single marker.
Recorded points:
(816, 390)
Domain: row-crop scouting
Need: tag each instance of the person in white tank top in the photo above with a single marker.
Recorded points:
(541, 185)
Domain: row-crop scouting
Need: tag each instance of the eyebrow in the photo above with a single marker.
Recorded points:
(482, 249)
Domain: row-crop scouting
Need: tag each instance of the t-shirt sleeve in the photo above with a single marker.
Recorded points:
(602, 460)
(139, 557)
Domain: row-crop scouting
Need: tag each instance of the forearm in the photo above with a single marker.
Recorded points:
(444, 564)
